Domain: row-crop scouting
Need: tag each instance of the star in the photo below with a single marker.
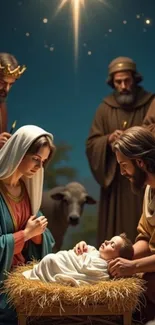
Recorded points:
(147, 21)
(76, 11)
(27, 34)
(45, 20)
(89, 53)
(124, 22)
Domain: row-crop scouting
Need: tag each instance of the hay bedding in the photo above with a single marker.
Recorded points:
(116, 295)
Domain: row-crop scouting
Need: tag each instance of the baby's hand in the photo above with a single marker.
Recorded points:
(80, 248)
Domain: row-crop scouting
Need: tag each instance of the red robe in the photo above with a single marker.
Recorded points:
(3, 117)
(20, 211)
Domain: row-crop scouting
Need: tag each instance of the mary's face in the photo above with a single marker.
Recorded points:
(31, 163)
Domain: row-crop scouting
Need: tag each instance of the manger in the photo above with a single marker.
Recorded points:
(36, 298)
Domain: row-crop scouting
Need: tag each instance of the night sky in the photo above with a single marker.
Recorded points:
(52, 93)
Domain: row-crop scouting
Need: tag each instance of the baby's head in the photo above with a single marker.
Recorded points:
(118, 246)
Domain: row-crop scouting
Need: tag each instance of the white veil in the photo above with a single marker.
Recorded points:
(13, 152)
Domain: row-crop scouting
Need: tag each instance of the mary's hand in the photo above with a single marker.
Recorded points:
(35, 226)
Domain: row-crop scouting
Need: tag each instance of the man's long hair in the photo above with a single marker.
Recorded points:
(138, 143)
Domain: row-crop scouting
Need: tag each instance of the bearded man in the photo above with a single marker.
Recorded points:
(135, 153)
(128, 105)
(10, 71)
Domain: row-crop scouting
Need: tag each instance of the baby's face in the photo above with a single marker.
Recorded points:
(110, 248)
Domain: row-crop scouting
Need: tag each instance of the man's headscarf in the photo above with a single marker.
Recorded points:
(12, 154)
(121, 64)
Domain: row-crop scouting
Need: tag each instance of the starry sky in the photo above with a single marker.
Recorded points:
(54, 93)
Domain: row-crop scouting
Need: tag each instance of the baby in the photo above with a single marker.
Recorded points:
(118, 246)
(81, 265)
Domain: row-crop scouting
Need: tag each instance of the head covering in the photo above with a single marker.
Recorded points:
(122, 64)
(12, 154)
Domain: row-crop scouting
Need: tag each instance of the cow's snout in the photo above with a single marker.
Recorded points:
(74, 220)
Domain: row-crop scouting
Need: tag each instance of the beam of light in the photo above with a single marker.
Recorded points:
(76, 7)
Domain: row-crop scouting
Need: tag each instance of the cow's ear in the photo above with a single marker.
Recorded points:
(90, 200)
(57, 196)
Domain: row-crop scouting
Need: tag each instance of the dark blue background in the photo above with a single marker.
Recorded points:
(52, 93)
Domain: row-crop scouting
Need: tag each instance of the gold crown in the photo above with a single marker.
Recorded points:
(16, 73)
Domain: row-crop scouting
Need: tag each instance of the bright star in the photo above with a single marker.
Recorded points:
(76, 9)
(148, 21)
(76, 6)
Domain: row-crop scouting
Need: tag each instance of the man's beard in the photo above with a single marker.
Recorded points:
(125, 98)
(138, 179)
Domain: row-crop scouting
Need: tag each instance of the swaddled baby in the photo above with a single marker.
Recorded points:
(83, 264)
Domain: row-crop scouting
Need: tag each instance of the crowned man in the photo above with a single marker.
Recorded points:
(10, 71)
(128, 105)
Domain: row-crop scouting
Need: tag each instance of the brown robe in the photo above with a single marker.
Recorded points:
(119, 208)
(3, 117)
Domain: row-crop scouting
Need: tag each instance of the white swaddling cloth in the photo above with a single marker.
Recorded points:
(68, 268)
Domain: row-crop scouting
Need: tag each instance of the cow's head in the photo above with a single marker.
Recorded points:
(73, 198)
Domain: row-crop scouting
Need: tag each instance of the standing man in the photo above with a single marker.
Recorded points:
(128, 105)
(10, 71)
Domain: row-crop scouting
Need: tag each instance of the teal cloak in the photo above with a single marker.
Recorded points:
(32, 251)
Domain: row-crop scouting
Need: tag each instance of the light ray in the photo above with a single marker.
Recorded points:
(76, 7)
(62, 3)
